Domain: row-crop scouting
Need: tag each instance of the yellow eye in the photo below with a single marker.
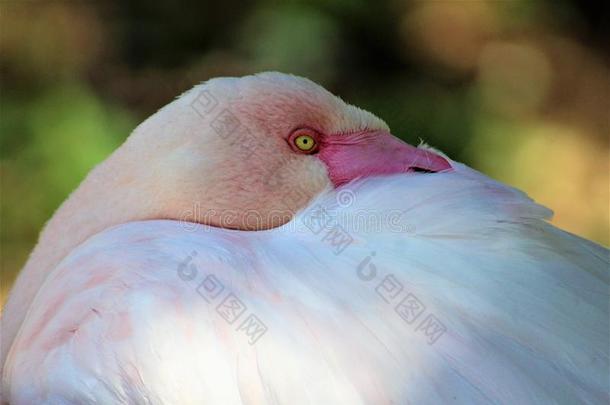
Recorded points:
(305, 143)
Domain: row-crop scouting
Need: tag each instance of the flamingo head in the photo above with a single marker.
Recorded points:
(247, 153)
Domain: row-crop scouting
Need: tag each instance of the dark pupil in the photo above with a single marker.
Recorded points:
(305, 140)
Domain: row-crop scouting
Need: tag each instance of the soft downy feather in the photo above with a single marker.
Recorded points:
(452, 289)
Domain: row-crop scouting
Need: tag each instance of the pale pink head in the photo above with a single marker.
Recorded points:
(249, 152)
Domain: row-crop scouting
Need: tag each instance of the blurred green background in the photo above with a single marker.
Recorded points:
(517, 89)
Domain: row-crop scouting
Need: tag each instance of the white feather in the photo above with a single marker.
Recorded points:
(525, 307)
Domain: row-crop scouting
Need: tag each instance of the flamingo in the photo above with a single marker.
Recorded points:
(260, 241)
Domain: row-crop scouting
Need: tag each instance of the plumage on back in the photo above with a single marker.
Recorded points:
(441, 288)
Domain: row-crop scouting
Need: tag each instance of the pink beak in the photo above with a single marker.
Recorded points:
(359, 155)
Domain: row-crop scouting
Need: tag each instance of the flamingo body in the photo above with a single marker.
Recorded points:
(168, 312)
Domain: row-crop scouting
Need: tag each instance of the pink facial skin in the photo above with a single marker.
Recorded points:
(371, 153)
